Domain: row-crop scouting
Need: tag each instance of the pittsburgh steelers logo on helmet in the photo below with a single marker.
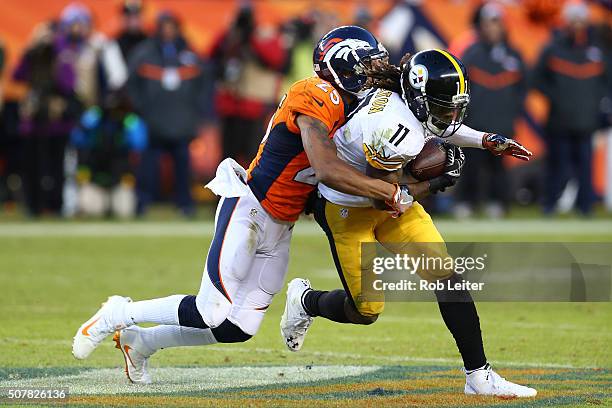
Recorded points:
(418, 76)
(436, 88)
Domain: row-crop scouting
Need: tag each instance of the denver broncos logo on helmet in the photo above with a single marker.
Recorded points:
(339, 56)
(343, 49)
(324, 47)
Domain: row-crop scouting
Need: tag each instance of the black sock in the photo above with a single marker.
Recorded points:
(461, 319)
(329, 305)
(310, 301)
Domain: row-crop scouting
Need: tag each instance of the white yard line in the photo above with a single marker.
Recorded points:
(187, 379)
(303, 228)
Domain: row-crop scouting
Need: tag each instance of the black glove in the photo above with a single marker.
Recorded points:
(455, 159)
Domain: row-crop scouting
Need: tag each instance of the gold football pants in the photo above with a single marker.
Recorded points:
(349, 227)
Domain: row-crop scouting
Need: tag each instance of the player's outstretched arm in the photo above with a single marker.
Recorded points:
(335, 173)
(496, 144)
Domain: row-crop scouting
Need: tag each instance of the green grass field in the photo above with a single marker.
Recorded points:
(54, 275)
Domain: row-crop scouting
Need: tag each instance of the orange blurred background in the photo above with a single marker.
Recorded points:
(204, 19)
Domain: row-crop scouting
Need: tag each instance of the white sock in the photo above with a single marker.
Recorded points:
(164, 336)
(160, 311)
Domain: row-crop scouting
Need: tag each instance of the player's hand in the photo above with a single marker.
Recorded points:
(500, 145)
(455, 159)
(402, 201)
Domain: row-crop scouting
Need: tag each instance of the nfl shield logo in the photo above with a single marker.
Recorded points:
(344, 212)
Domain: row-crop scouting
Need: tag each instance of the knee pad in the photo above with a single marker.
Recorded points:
(355, 316)
(228, 332)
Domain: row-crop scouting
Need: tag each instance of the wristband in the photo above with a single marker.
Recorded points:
(404, 188)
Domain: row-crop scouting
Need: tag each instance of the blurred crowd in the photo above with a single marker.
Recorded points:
(573, 72)
(100, 113)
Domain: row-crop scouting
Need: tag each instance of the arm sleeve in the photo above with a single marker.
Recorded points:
(307, 98)
(465, 136)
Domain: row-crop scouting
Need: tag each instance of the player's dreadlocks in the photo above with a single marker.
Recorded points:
(387, 76)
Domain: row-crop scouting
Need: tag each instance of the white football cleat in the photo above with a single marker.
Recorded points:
(295, 321)
(135, 354)
(97, 328)
(485, 381)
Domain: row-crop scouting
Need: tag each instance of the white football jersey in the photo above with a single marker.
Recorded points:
(382, 132)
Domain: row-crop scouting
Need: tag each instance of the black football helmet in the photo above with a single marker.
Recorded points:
(342, 55)
(435, 86)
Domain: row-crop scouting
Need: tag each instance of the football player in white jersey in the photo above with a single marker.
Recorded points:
(384, 133)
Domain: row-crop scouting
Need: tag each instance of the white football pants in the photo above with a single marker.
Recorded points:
(246, 264)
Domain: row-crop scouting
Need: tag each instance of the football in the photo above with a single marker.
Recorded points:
(430, 162)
